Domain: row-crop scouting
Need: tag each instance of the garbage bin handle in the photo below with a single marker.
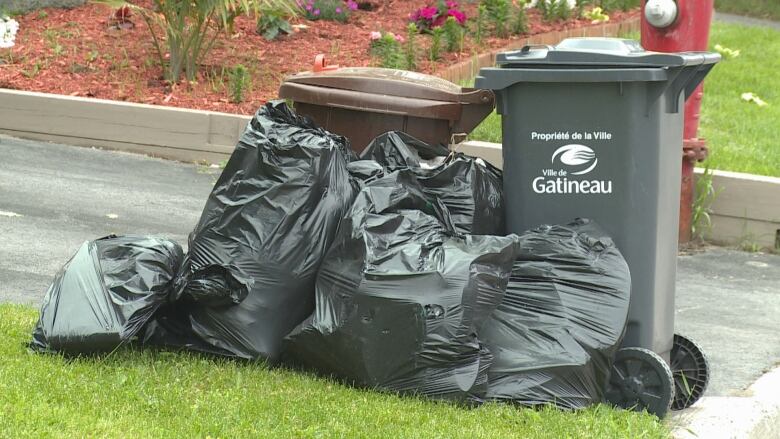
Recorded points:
(527, 48)
(321, 65)
(476, 96)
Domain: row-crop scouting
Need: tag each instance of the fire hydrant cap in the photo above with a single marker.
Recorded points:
(661, 13)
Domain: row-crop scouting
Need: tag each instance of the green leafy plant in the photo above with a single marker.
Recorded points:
(238, 83)
(520, 23)
(596, 15)
(216, 77)
(453, 35)
(52, 38)
(479, 25)
(272, 24)
(726, 53)
(92, 56)
(554, 10)
(191, 27)
(386, 47)
(705, 195)
(410, 48)
(749, 242)
(33, 71)
(498, 14)
(435, 49)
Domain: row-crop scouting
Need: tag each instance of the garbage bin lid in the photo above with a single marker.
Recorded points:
(602, 53)
(389, 82)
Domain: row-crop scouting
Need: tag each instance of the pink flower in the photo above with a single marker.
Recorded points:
(398, 38)
(375, 35)
(316, 12)
(428, 13)
(338, 10)
(451, 4)
(351, 5)
(308, 7)
(459, 16)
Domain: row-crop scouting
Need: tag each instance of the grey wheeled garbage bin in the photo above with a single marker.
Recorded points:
(593, 128)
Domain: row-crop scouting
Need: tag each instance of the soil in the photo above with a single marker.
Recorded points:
(75, 52)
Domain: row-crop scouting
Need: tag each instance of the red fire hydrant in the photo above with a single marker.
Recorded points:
(679, 26)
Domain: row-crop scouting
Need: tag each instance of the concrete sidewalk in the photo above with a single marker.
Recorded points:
(54, 197)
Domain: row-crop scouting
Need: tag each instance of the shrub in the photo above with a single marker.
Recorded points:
(238, 83)
(553, 10)
(453, 35)
(498, 15)
(386, 47)
(479, 30)
(410, 48)
(435, 50)
(520, 24)
(430, 17)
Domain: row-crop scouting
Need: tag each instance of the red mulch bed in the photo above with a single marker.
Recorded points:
(93, 61)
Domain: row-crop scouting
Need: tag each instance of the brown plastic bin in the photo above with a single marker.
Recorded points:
(361, 103)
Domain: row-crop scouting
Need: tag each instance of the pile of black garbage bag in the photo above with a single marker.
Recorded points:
(390, 271)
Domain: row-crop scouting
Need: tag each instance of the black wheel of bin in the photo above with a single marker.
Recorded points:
(691, 372)
(640, 380)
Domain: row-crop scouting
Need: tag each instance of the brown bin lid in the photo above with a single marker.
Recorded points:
(390, 91)
(392, 82)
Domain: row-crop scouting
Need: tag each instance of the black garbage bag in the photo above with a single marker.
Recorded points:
(471, 188)
(562, 318)
(400, 300)
(365, 171)
(105, 294)
(266, 226)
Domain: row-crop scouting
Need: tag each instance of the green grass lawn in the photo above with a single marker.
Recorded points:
(741, 136)
(769, 9)
(136, 393)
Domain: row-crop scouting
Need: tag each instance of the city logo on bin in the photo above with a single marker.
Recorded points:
(579, 158)
(570, 163)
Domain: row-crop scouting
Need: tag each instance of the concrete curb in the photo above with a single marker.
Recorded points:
(165, 132)
(756, 414)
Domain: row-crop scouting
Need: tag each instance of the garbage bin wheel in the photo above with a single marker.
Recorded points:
(640, 380)
(691, 372)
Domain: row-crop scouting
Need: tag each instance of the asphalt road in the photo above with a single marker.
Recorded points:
(55, 197)
(746, 21)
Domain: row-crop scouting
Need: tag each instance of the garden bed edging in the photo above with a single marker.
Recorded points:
(184, 134)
